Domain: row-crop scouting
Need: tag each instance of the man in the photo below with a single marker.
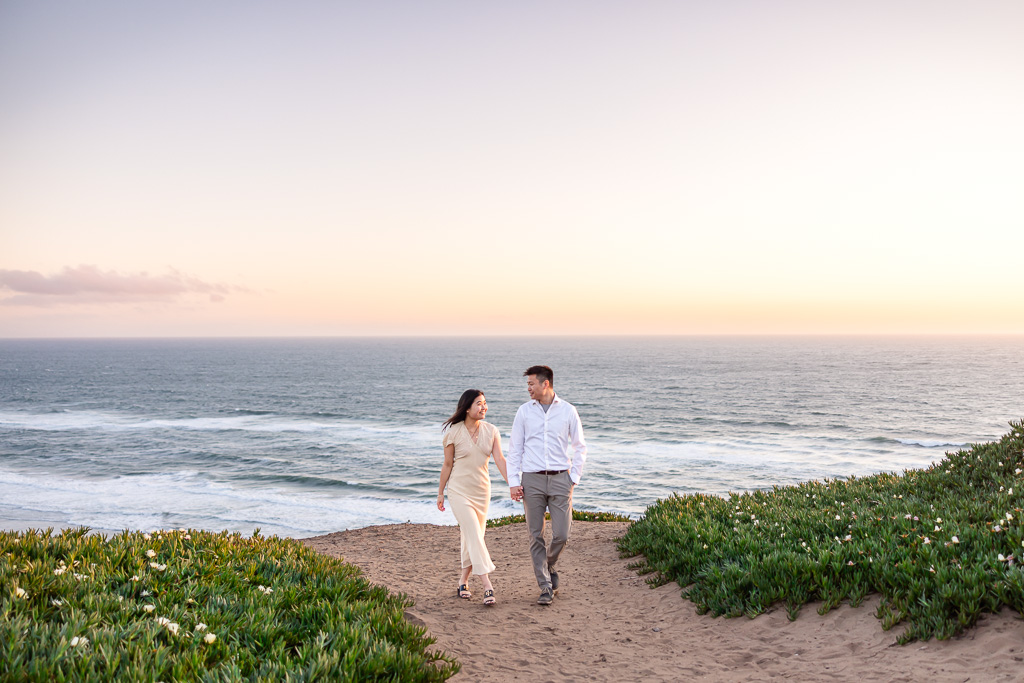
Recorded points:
(542, 473)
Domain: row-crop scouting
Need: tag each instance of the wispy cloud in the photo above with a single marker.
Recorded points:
(87, 284)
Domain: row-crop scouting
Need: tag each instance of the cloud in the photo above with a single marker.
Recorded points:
(89, 285)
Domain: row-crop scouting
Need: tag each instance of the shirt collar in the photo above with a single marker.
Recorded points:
(553, 401)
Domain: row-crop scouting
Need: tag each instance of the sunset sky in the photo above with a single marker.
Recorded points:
(484, 168)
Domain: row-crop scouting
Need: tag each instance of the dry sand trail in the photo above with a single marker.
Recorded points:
(607, 624)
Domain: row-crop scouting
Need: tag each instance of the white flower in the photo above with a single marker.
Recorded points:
(79, 642)
(939, 520)
(59, 570)
(1017, 471)
(927, 541)
(907, 516)
(134, 578)
(163, 621)
(150, 553)
(1010, 491)
(938, 528)
(145, 594)
(148, 608)
(848, 537)
(20, 593)
(850, 563)
(146, 536)
(209, 638)
(997, 528)
(173, 628)
(56, 603)
(803, 543)
(187, 537)
(1001, 558)
(1000, 464)
(955, 539)
(1009, 516)
(838, 517)
(161, 567)
(200, 627)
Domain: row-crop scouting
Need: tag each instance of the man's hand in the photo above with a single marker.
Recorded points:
(516, 493)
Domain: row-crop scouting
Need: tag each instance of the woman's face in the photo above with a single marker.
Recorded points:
(478, 409)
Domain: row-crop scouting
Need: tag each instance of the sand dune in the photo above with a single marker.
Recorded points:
(607, 624)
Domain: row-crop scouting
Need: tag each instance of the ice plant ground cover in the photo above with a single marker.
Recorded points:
(940, 545)
(578, 515)
(193, 605)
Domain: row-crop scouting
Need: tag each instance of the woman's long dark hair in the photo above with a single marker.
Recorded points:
(465, 403)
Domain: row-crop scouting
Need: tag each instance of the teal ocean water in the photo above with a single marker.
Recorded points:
(306, 436)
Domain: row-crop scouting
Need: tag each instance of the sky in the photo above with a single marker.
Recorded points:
(482, 168)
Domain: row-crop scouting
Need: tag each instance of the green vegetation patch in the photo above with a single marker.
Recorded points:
(940, 545)
(579, 515)
(192, 605)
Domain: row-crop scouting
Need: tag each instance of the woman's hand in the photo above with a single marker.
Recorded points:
(440, 502)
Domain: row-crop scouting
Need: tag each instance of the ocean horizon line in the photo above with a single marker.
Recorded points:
(653, 335)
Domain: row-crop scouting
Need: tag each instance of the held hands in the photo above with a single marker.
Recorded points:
(440, 502)
(516, 493)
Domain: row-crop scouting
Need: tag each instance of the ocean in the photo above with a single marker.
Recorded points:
(299, 437)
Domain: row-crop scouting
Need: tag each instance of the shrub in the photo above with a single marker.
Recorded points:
(941, 545)
(193, 605)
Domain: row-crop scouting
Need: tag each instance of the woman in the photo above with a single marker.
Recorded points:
(469, 443)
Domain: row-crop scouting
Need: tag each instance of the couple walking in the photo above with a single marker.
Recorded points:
(540, 473)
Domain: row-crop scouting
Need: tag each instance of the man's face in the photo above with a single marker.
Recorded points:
(536, 387)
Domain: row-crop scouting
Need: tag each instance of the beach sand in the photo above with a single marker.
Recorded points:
(607, 624)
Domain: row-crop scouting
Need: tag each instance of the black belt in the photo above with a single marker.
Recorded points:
(551, 472)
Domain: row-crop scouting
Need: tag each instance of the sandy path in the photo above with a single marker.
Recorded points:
(608, 625)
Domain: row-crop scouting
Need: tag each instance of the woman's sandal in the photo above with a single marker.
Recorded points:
(489, 597)
(463, 592)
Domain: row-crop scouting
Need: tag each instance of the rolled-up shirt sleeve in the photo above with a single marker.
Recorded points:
(514, 457)
(579, 446)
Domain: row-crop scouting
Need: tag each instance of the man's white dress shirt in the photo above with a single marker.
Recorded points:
(541, 440)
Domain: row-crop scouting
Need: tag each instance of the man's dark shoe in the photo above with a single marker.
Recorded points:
(546, 597)
(554, 583)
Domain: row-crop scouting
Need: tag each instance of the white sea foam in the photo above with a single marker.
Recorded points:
(185, 498)
(115, 422)
(930, 443)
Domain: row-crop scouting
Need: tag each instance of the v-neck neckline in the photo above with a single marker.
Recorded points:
(476, 441)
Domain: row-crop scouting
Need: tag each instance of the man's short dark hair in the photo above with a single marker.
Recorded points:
(541, 372)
